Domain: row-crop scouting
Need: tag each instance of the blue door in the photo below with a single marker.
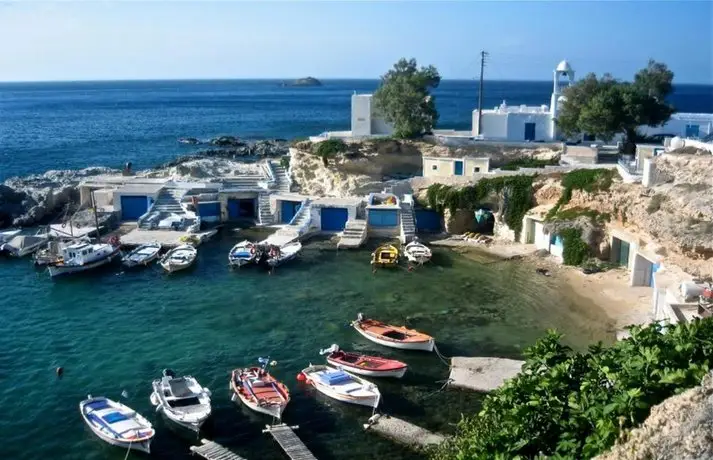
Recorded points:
(233, 209)
(133, 207)
(529, 131)
(288, 209)
(334, 219)
(692, 130)
(458, 167)
(427, 220)
(209, 209)
(383, 217)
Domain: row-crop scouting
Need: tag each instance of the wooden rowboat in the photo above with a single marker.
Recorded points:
(399, 337)
(259, 390)
(385, 256)
(372, 366)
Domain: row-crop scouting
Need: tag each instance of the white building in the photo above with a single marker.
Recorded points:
(467, 166)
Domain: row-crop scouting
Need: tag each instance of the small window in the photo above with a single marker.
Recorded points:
(476, 169)
(434, 167)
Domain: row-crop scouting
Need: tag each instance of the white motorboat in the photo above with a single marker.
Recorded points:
(181, 399)
(7, 235)
(81, 256)
(342, 386)
(417, 252)
(179, 258)
(23, 245)
(277, 256)
(117, 424)
(244, 253)
(143, 255)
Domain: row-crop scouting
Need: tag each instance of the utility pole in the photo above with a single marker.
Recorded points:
(483, 55)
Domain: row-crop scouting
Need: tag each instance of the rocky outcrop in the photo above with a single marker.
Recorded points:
(38, 198)
(307, 81)
(235, 150)
(678, 428)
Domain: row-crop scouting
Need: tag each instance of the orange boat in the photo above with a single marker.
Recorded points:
(259, 390)
(399, 337)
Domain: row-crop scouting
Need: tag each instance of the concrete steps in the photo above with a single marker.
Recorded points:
(265, 213)
(168, 202)
(248, 181)
(283, 181)
(354, 234)
(408, 224)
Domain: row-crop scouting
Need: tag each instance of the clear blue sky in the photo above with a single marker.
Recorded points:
(152, 40)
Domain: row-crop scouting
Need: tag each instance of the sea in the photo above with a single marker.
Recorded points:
(113, 331)
(78, 124)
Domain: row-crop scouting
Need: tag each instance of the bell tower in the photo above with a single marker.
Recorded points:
(563, 76)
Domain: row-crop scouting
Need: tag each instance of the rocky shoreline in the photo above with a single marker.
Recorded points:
(39, 199)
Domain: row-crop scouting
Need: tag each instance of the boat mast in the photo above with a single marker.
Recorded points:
(94, 206)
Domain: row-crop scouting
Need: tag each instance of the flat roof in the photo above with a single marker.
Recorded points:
(140, 188)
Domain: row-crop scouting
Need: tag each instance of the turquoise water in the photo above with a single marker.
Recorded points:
(114, 331)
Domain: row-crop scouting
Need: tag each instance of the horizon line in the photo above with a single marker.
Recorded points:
(277, 79)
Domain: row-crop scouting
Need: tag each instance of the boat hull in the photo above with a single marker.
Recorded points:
(417, 258)
(274, 411)
(61, 270)
(144, 445)
(392, 373)
(368, 401)
(128, 263)
(426, 345)
(173, 418)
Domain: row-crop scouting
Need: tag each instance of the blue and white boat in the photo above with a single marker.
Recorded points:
(143, 255)
(117, 424)
(342, 386)
(81, 256)
(244, 253)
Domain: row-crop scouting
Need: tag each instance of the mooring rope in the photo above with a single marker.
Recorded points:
(128, 450)
(443, 387)
(443, 358)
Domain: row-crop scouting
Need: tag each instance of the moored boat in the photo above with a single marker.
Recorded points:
(244, 253)
(399, 337)
(81, 256)
(417, 252)
(259, 390)
(23, 245)
(277, 256)
(179, 258)
(143, 255)
(342, 386)
(371, 366)
(181, 399)
(117, 424)
(385, 256)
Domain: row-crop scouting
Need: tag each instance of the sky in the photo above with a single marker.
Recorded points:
(105, 40)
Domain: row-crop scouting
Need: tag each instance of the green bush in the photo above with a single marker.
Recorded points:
(574, 250)
(588, 180)
(529, 162)
(576, 405)
(285, 161)
(328, 149)
(576, 212)
(518, 197)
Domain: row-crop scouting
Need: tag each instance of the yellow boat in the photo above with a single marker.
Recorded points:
(385, 256)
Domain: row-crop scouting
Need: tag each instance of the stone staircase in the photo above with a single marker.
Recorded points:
(408, 224)
(265, 213)
(247, 182)
(354, 234)
(299, 225)
(167, 203)
(281, 178)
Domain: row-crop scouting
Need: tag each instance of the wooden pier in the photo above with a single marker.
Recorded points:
(290, 443)
(403, 432)
(211, 450)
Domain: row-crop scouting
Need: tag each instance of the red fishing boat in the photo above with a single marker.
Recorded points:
(373, 366)
(259, 390)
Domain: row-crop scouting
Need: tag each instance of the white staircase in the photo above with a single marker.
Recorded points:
(245, 182)
(354, 234)
(265, 213)
(281, 178)
(168, 202)
(299, 225)
(408, 224)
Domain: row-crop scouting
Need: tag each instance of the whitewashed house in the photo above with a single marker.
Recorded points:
(467, 166)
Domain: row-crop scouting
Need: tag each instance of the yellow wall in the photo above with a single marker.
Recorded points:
(445, 166)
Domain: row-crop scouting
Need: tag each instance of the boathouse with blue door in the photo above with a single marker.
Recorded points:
(428, 220)
(288, 210)
(238, 206)
(134, 200)
(209, 211)
(333, 219)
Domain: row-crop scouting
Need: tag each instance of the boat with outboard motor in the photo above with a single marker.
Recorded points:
(399, 337)
(341, 385)
(245, 252)
(259, 390)
(417, 252)
(142, 255)
(278, 255)
(371, 366)
(82, 256)
(181, 399)
(117, 424)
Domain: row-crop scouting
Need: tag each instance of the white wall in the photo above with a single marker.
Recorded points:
(516, 126)
(445, 167)
(677, 126)
(361, 115)
(495, 125)
(483, 165)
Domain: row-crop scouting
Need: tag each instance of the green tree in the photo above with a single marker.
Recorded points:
(404, 98)
(605, 106)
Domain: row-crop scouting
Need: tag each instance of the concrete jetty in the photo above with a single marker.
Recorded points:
(403, 432)
(482, 374)
(167, 238)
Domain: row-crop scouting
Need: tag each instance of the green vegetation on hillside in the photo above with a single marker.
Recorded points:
(517, 200)
(329, 149)
(605, 107)
(404, 98)
(529, 162)
(588, 180)
(577, 405)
